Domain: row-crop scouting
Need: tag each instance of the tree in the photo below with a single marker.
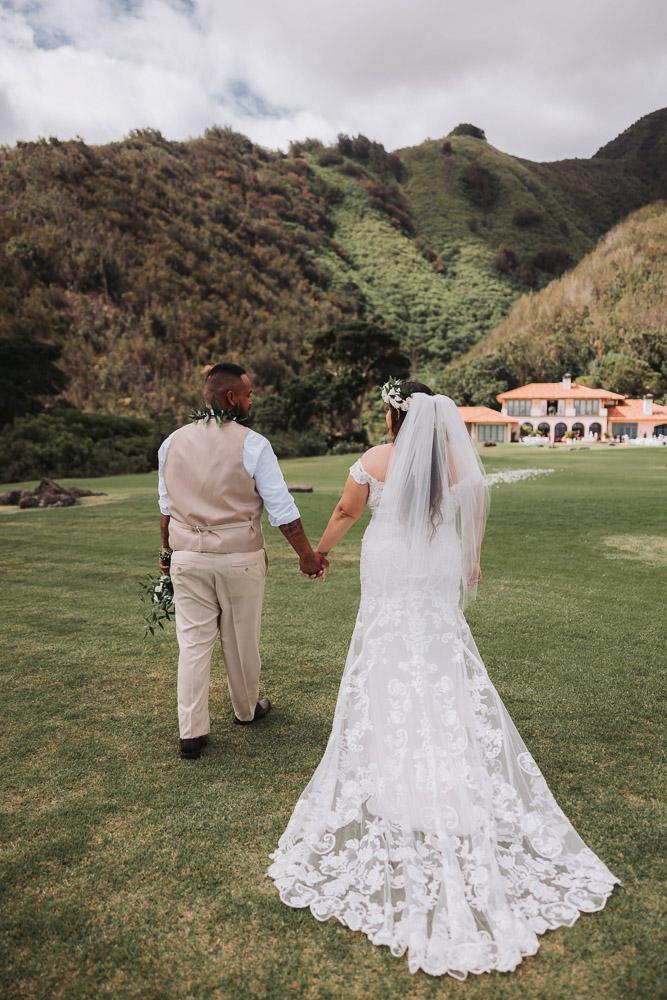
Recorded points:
(373, 155)
(299, 406)
(465, 128)
(357, 355)
(624, 373)
(28, 373)
(478, 382)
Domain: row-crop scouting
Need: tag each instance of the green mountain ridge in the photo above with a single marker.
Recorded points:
(145, 260)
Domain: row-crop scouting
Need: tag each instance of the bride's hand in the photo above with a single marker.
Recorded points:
(325, 564)
(475, 577)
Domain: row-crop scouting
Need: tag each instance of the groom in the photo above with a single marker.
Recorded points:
(215, 477)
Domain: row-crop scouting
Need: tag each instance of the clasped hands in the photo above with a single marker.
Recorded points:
(314, 565)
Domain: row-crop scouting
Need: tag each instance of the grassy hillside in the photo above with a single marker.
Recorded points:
(146, 259)
(437, 309)
(605, 321)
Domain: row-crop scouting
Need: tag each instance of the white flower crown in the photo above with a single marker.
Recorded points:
(392, 396)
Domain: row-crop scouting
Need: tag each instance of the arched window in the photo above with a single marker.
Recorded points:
(596, 428)
(578, 429)
(544, 429)
(559, 430)
(661, 429)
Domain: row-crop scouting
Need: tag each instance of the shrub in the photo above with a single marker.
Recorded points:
(528, 275)
(347, 446)
(446, 148)
(465, 128)
(351, 170)
(430, 254)
(372, 154)
(527, 218)
(506, 259)
(295, 444)
(330, 158)
(64, 441)
(479, 185)
(305, 146)
(553, 260)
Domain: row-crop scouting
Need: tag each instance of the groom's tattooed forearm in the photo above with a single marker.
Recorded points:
(293, 528)
(309, 562)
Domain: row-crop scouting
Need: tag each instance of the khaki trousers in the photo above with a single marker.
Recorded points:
(217, 595)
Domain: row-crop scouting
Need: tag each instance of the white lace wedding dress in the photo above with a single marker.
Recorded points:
(428, 825)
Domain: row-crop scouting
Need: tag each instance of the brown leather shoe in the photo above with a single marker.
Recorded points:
(262, 709)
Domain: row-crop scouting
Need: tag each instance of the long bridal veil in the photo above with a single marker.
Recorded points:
(435, 488)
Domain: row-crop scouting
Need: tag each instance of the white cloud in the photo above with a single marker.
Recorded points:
(544, 80)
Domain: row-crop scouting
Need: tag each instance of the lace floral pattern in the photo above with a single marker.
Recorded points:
(427, 824)
(362, 477)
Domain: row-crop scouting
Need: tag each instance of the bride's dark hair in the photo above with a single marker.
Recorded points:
(407, 389)
(436, 487)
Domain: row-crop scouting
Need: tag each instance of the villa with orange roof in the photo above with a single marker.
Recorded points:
(553, 408)
(487, 425)
(637, 418)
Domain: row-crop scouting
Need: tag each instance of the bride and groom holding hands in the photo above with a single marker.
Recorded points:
(427, 824)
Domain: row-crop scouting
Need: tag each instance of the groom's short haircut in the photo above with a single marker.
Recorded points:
(221, 378)
(227, 368)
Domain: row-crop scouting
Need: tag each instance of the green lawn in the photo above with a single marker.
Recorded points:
(129, 873)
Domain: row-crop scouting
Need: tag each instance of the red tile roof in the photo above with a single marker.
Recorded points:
(633, 409)
(556, 390)
(484, 415)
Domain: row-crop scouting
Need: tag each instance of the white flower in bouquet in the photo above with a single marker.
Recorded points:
(158, 592)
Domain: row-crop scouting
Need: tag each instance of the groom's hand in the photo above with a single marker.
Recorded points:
(313, 564)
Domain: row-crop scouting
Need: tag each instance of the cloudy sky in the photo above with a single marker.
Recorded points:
(546, 79)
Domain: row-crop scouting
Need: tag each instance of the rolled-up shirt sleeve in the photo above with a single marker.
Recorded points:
(163, 499)
(260, 462)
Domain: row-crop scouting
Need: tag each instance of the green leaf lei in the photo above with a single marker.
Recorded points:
(215, 412)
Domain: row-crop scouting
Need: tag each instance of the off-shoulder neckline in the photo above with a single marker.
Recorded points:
(367, 473)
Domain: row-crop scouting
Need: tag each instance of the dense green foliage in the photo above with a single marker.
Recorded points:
(63, 441)
(144, 260)
(128, 873)
(605, 322)
(28, 374)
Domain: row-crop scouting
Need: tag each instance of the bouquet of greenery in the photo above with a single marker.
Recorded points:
(158, 593)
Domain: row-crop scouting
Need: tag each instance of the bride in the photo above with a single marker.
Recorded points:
(427, 824)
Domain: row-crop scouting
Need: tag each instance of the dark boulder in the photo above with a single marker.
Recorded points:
(49, 493)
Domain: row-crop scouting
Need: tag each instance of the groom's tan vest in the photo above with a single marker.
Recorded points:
(213, 502)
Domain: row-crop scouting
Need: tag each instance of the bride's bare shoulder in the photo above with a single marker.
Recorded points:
(376, 460)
